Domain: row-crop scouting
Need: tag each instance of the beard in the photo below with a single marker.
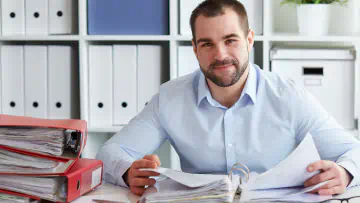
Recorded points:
(226, 81)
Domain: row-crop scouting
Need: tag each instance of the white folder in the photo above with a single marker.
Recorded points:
(101, 85)
(254, 9)
(12, 67)
(61, 82)
(149, 73)
(13, 17)
(186, 7)
(124, 81)
(252, 55)
(36, 15)
(35, 81)
(188, 62)
(0, 32)
(61, 17)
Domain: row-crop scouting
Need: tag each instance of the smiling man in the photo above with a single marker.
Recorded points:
(229, 111)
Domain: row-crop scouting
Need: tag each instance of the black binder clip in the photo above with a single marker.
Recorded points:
(73, 144)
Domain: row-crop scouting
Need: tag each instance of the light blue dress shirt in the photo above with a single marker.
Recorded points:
(263, 127)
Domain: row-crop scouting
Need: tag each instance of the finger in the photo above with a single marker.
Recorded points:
(138, 190)
(143, 163)
(319, 178)
(332, 191)
(320, 165)
(153, 157)
(142, 182)
(139, 173)
(328, 185)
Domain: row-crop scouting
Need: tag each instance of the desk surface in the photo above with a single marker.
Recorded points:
(111, 192)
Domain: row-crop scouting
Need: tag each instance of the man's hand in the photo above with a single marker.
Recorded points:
(136, 179)
(338, 177)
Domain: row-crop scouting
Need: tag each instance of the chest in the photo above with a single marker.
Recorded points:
(257, 139)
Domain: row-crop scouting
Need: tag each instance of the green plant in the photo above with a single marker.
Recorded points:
(341, 2)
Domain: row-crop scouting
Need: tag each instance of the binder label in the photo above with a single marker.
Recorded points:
(96, 177)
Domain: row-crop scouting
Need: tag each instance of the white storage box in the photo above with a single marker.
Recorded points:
(328, 74)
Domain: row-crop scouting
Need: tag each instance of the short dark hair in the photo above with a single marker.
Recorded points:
(212, 8)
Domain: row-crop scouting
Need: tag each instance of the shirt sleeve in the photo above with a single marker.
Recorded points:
(142, 136)
(332, 141)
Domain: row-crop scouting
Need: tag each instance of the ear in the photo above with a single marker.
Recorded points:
(250, 39)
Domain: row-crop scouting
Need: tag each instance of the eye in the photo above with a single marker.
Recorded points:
(230, 41)
(208, 44)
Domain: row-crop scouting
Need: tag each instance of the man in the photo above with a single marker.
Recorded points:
(230, 111)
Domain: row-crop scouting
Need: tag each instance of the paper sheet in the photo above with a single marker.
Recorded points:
(290, 172)
(171, 191)
(188, 179)
(45, 140)
(285, 183)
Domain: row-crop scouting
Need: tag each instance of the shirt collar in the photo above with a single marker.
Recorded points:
(203, 89)
(250, 87)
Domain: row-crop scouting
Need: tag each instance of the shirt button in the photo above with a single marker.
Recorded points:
(229, 145)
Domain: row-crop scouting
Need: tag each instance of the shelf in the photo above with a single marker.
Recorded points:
(189, 38)
(40, 38)
(128, 37)
(294, 37)
(288, 37)
(110, 129)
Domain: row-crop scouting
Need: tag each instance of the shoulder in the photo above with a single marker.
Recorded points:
(280, 87)
(179, 88)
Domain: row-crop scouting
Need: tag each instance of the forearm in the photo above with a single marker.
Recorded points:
(116, 162)
(351, 162)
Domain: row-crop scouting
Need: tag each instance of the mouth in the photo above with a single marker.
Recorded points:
(222, 67)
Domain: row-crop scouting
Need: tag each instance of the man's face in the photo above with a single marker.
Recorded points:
(221, 48)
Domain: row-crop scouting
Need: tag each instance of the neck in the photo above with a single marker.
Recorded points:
(227, 96)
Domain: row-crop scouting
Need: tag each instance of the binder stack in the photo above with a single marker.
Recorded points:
(132, 73)
(40, 159)
(37, 17)
(39, 81)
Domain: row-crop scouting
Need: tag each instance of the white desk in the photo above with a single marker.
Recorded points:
(109, 191)
(122, 194)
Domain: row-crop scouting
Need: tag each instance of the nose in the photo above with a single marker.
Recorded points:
(220, 53)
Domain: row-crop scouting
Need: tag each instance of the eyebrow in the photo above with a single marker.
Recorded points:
(203, 40)
(231, 35)
(225, 37)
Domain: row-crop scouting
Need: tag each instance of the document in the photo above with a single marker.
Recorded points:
(281, 183)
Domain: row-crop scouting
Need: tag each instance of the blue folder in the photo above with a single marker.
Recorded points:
(128, 17)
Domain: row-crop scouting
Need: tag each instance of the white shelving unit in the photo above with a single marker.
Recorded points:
(279, 27)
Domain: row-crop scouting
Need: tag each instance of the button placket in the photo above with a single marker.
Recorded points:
(228, 132)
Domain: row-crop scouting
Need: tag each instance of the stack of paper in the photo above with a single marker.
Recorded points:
(50, 188)
(21, 163)
(281, 183)
(40, 159)
(44, 140)
(184, 187)
(5, 198)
